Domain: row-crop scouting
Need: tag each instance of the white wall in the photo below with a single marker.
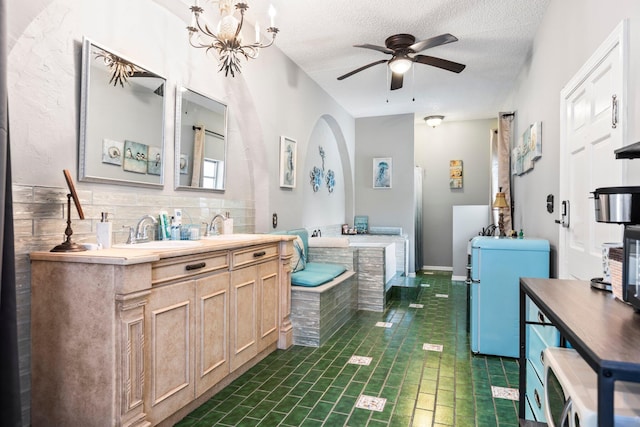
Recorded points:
(570, 32)
(468, 141)
(389, 136)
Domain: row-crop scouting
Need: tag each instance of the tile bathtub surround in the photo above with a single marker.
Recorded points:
(407, 382)
(40, 221)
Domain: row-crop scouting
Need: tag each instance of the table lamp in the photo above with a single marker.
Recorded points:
(500, 203)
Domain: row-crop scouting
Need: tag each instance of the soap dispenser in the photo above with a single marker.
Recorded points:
(227, 225)
(104, 231)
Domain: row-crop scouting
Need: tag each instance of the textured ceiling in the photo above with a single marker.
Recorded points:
(495, 38)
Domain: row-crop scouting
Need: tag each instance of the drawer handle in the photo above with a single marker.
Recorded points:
(536, 396)
(259, 254)
(197, 266)
(541, 318)
(542, 356)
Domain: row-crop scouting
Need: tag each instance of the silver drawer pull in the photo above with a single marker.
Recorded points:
(259, 254)
(197, 266)
(536, 396)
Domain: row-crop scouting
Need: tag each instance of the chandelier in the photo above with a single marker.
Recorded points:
(120, 69)
(227, 38)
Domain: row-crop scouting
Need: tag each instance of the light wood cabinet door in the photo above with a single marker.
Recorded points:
(268, 310)
(169, 321)
(212, 331)
(244, 316)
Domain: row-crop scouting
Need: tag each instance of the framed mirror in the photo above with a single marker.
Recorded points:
(200, 141)
(121, 120)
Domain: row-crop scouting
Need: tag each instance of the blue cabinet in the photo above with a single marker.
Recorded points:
(497, 264)
(539, 336)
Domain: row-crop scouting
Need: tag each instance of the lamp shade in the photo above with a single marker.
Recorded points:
(500, 202)
(433, 121)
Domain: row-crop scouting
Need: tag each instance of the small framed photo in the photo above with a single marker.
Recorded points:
(154, 164)
(135, 157)
(112, 152)
(287, 162)
(382, 172)
(455, 174)
(184, 164)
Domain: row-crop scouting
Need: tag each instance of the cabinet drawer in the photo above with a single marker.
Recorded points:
(247, 256)
(535, 348)
(549, 334)
(535, 393)
(169, 269)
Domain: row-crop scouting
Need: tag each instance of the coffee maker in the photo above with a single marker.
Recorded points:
(621, 205)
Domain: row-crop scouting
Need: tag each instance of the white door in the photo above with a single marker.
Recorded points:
(592, 127)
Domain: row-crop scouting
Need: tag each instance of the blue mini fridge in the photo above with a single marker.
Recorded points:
(496, 267)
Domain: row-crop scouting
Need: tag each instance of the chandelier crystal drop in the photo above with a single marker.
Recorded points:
(226, 40)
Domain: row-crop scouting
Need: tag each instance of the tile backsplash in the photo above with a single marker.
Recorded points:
(40, 221)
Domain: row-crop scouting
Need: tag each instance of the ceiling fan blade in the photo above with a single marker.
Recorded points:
(396, 80)
(433, 42)
(364, 67)
(440, 63)
(374, 47)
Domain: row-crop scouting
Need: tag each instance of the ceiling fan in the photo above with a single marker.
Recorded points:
(402, 47)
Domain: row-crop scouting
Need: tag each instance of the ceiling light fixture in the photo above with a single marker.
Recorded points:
(400, 64)
(226, 40)
(433, 121)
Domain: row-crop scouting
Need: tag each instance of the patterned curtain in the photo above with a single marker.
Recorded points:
(198, 156)
(504, 164)
(9, 372)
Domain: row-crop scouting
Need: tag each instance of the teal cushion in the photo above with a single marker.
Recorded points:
(309, 278)
(320, 267)
(304, 235)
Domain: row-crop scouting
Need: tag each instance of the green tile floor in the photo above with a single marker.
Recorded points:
(305, 386)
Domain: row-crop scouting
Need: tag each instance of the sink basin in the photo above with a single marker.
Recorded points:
(223, 237)
(159, 244)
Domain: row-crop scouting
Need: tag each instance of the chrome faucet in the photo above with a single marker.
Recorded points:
(213, 227)
(141, 228)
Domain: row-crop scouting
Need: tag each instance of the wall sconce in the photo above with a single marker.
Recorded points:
(433, 121)
(500, 203)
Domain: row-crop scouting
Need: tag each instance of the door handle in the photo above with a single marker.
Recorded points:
(564, 215)
(614, 111)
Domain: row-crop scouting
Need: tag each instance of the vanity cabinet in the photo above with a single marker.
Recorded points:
(133, 337)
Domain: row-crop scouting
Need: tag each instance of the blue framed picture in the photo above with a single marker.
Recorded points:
(382, 172)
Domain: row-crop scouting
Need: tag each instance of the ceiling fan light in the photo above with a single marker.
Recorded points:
(400, 64)
(433, 121)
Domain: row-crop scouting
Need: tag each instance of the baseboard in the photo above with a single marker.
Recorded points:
(437, 267)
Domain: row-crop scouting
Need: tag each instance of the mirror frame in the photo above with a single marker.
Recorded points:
(178, 143)
(85, 172)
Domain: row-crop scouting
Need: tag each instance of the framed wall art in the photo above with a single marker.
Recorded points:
(287, 162)
(455, 173)
(382, 172)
